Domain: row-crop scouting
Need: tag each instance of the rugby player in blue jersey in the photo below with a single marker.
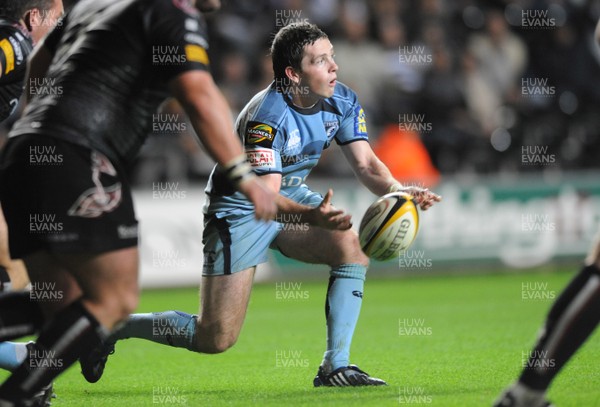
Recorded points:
(284, 129)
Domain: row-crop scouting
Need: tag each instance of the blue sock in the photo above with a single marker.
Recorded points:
(172, 328)
(12, 354)
(342, 308)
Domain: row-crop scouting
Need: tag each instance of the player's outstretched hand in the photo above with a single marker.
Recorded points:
(327, 217)
(422, 196)
(262, 197)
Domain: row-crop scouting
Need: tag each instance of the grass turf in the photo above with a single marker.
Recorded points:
(440, 341)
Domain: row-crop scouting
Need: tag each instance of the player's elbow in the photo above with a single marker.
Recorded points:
(365, 170)
(362, 167)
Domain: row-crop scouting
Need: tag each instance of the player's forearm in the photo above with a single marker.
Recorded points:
(211, 119)
(376, 177)
(299, 213)
(209, 113)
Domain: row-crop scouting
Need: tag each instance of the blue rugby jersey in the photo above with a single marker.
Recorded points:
(280, 137)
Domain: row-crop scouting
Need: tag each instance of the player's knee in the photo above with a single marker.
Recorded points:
(349, 250)
(122, 305)
(126, 300)
(123, 308)
(115, 308)
(221, 343)
(215, 343)
(213, 338)
(129, 304)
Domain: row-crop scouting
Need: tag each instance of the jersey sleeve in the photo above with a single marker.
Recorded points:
(178, 39)
(262, 145)
(353, 126)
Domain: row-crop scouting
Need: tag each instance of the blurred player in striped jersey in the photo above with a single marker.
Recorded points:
(96, 80)
(22, 25)
(571, 320)
(285, 128)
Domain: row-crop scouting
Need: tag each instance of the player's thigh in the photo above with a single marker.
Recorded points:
(234, 244)
(106, 281)
(100, 274)
(320, 246)
(316, 245)
(52, 286)
(224, 301)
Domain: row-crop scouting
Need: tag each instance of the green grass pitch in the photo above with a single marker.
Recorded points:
(440, 341)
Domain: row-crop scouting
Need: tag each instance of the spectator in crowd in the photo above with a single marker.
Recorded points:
(500, 58)
(486, 50)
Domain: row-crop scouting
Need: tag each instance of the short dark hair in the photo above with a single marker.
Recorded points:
(288, 45)
(15, 9)
(68, 4)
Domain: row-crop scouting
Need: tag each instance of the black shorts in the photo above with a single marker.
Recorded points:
(61, 197)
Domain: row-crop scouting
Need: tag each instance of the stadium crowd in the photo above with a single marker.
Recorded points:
(476, 82)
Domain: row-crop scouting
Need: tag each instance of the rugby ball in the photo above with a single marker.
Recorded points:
(389, 226)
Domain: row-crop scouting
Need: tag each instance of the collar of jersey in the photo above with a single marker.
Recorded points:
(320, 106)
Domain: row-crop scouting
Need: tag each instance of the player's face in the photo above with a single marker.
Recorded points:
(41, 22)
(318, 69)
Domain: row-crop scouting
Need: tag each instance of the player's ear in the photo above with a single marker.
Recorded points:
(292, 75)
(32, 18)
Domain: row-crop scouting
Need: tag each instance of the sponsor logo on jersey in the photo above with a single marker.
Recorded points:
(127, 232)
(9, 55)
(294, 143)
(331, 127)
(292, 181)
(360, 122)
(15, 42)
(261, 158)
(260, 133)
(196, 53)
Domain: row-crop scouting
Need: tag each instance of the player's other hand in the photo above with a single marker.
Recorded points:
(262, 197)
(422, 196)
(327, 217)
